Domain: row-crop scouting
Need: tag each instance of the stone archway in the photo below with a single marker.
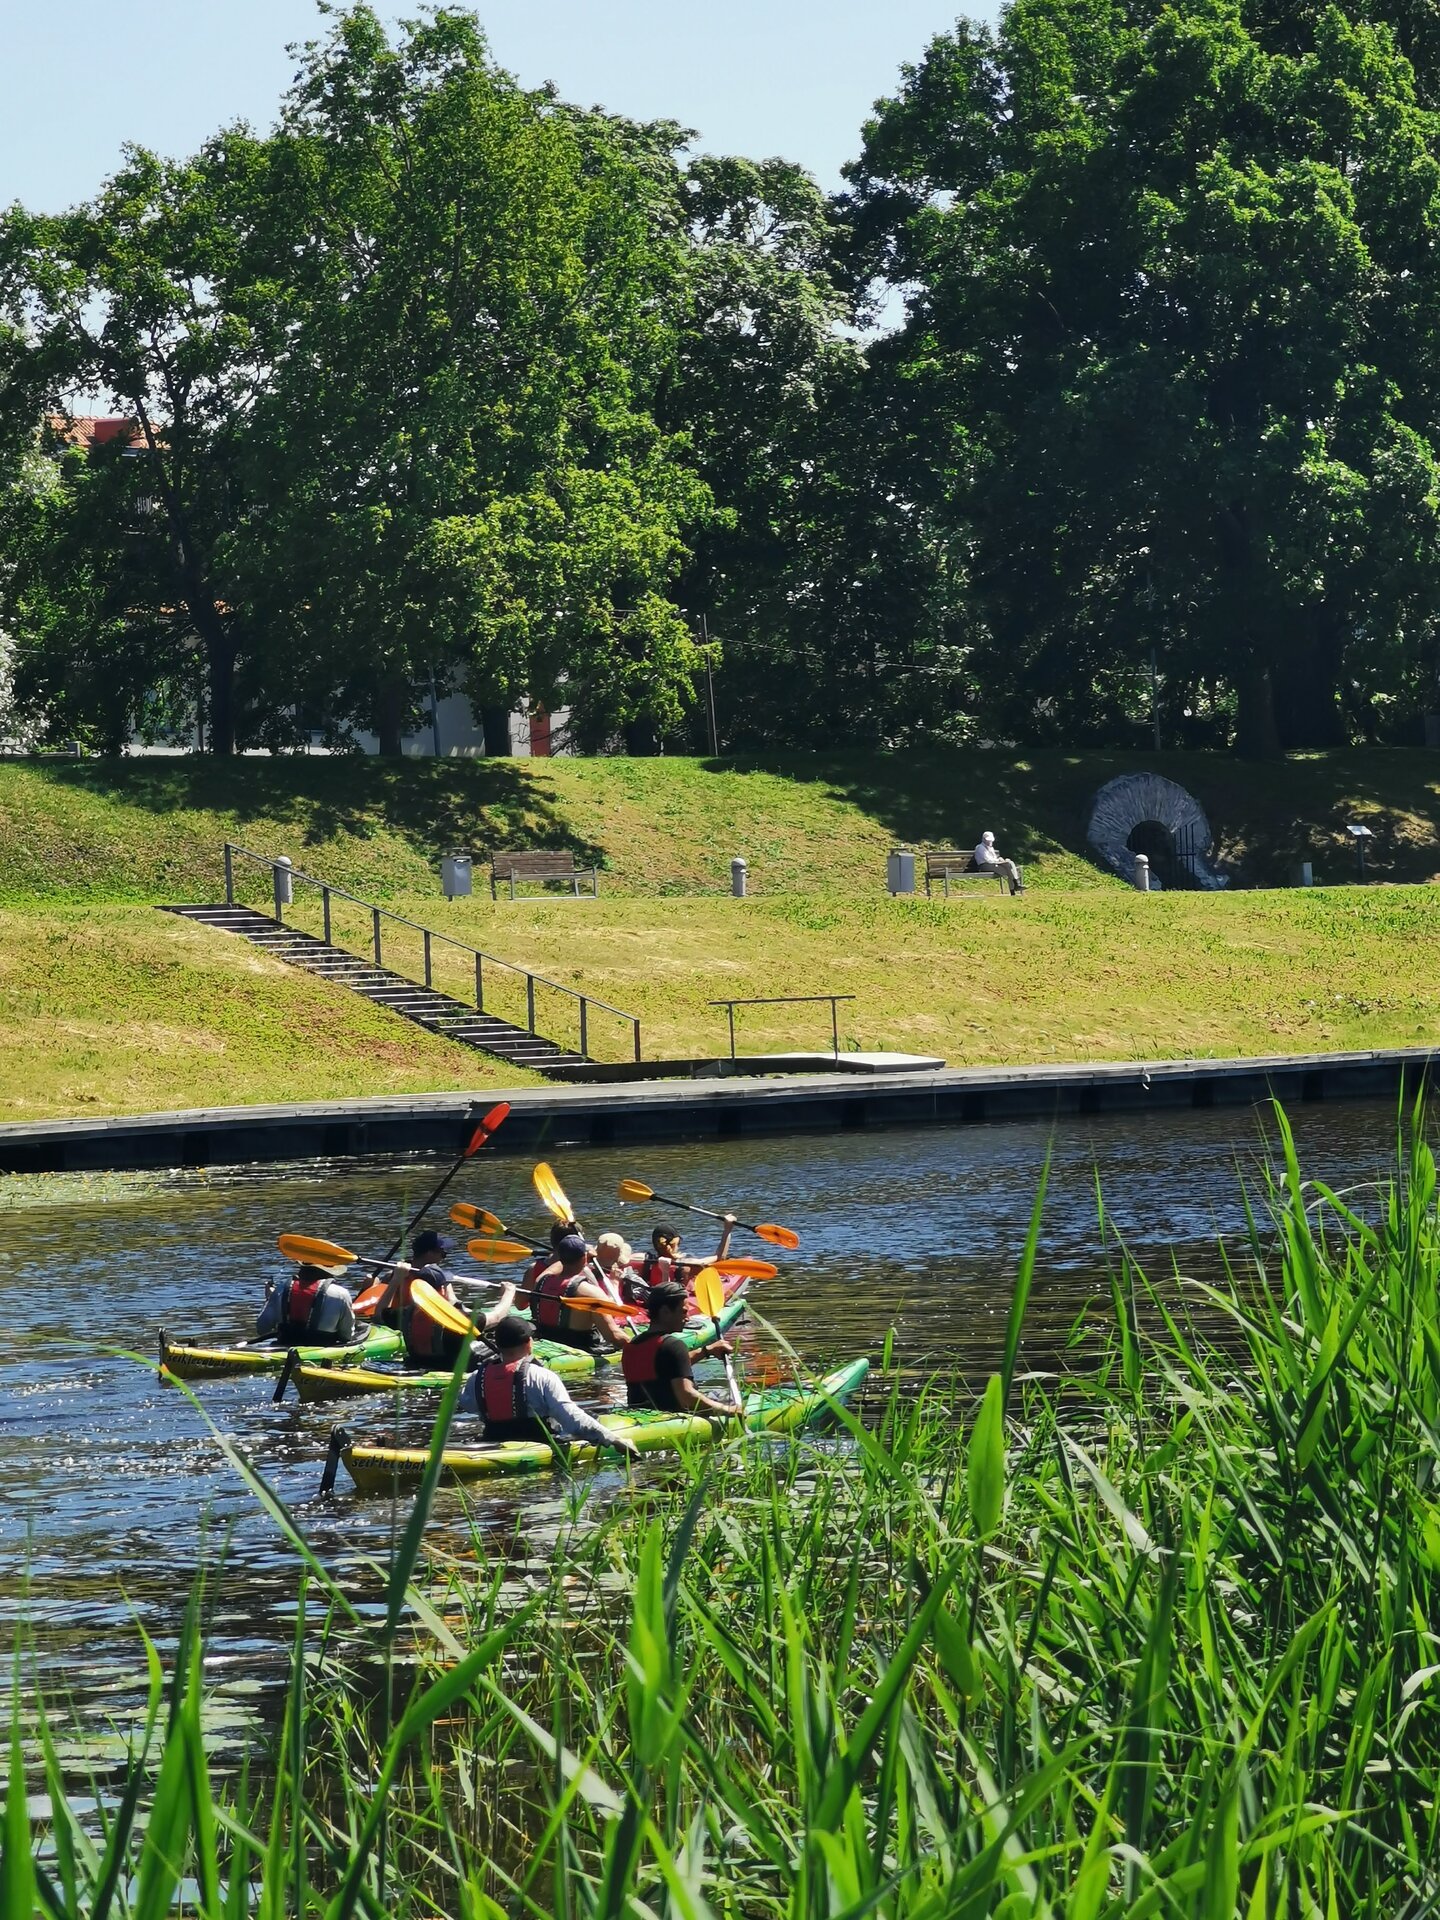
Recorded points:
(1137, 808)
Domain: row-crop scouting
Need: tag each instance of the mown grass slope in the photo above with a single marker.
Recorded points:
(152, 829)
(115, 1009)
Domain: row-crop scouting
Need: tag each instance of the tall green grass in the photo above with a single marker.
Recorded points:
(1164, 1643)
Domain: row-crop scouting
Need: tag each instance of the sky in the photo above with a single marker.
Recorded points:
(758, 77)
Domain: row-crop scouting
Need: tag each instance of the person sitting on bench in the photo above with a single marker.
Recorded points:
(989, 860)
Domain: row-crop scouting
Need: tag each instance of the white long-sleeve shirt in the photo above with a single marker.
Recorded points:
(548, 1399)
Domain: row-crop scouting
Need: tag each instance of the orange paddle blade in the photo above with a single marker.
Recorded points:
(477, 1219)
(635, 1190)
(709, 1292)
(499, 1249)
(432, 1302)
(487, 1125)
(746, 1268)
(551, 1192)
(777, 1236)
(367, 1301)
(319, 1253)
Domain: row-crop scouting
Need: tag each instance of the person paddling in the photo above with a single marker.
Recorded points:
(426, 1341)
(568, 1279)
(665, 1261)
(518, 1399)
(311, 1307)
(657, 1364)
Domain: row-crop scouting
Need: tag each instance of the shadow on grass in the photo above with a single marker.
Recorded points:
(479, 805)
(1266, 815)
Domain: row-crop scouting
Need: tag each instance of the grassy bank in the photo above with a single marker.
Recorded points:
(1094, 974)
(125, 1010)
(1169, 1653)
(152, 829)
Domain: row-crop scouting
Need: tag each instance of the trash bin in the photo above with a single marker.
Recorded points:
(455, 875)
(900, 871)
(284, 884)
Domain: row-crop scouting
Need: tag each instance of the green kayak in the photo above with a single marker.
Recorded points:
(189, 1362)
(348, 1382)
(772, 1410)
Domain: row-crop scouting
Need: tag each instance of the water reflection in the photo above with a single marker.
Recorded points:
(112, 1479)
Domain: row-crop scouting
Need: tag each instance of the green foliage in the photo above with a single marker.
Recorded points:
(1170, 326)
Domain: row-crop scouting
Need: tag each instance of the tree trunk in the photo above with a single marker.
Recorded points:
(219, 672)
(1307, 685)
(1256, 735)
(390, 717)
(495, 726)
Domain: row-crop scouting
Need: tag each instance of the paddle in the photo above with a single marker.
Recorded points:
(636, 1190)
(710, 1298)
(748, 1269)
(552, 1193)
(476, 1219)
(434, 1303)
(487, 1126)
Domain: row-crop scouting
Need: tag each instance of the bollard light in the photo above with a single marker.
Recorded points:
(738, 871)
(284, 885)
(1359, 835)
(1142, 873)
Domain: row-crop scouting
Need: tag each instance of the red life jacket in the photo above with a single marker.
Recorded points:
(301, 1305)
(500, 1396)
(656, 1269)
(549, 1311)
(426, 1340)
(640, 1364)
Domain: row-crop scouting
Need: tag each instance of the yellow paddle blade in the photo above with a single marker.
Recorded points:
(551, 1192)
(709, 1292)
(477, 1219)
(499, 1249)
(318, 1253)
(635, 1190)
(749, 1269)
(777, 1236)
(431, 1301)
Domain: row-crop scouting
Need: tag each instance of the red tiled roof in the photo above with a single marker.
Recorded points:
(89, 430)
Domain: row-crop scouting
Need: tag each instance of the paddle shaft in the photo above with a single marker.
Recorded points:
(472, 1146)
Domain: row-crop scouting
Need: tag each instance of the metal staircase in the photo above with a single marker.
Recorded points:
(425, 1004)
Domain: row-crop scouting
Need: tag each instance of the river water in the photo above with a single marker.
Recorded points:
(115, 1487)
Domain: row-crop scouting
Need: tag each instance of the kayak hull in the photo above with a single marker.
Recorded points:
(329, 1382)
(774, 1410)
(182, 1361)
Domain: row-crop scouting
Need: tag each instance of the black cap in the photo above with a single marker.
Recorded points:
(429, 1242)
(512, 1332)
(669, 1293)
(571, 1246)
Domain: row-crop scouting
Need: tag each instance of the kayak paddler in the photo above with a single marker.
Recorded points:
(657, 1364)
(426, 1342)
(565, 1279)
(519, 1399)
(666, 1261)
(311, 1307)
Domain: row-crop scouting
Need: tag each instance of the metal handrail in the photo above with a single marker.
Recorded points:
(283, 876)
(789, 1000)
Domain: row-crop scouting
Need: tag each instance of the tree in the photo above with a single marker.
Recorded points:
(119, 297)
(469, 319)
(1172, 312)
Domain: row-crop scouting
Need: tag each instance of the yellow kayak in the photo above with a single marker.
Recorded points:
(772, 1410)
(185, 1362)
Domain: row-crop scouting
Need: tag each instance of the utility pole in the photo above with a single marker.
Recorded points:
(1155, 697)
(709, 689)
(434, 715)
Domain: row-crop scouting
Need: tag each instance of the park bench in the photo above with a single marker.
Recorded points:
(521, 866)
(947, 864)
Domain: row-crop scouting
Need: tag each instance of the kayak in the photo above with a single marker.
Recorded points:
(185, 1362)
(329, 1382)
(772, 1410)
